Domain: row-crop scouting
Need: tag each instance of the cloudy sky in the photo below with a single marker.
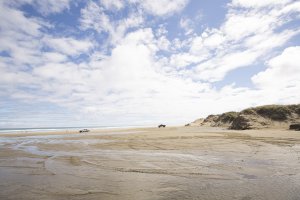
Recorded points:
(143, 62)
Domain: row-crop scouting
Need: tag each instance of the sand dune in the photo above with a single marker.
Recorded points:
(260, 117)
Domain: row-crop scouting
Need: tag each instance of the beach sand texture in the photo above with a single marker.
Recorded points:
(151, 163)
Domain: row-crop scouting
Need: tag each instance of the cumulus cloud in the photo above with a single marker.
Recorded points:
(282, 71)
(127, 82)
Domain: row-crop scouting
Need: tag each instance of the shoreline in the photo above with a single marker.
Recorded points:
(61, 129)
(70, 131)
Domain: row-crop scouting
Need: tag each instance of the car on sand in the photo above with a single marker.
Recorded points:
(161, 126)
(84, 130)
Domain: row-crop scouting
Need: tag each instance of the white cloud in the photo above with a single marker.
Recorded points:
(258, 3)
(54, 57)
(161, 30)
(112, 4)
(14, 20)
(291, 8)
(183, 59)
(19, 36)
(283, 71)
(129, 82)
(162, 7)
(51, 6)
(94, 17)
(68, 45)
(163, 43)
(269, 40)
(245, 37)
(187, 25)
(239, 25)
(215, 69)
(45, 7)
(214, 40)
(120, 28)
(23, 39)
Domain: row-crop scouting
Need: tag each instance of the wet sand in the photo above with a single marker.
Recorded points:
(151, 163)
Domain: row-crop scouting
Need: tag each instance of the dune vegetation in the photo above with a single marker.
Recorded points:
(267, 116)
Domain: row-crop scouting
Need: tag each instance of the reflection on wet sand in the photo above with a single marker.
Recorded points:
(173, 163)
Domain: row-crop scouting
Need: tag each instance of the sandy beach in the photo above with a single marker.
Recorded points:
(151, 163)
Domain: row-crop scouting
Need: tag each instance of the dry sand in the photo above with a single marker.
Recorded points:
(151, 163)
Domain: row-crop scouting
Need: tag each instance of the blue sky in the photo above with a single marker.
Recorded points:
(143, 62)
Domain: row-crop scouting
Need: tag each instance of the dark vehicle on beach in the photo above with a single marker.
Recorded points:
(84, 130)
(295, 127)
(161, 126)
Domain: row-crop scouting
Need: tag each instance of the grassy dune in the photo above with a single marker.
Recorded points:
(267, 116)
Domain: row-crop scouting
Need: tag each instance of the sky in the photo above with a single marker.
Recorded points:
(144, 62)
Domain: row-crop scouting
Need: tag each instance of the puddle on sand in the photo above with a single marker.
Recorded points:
(248, 176)
(61, 138)
(259, 162)
(31, 144)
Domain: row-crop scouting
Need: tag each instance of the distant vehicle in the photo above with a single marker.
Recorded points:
(161, 126)
(84, 130)
(295, 127)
